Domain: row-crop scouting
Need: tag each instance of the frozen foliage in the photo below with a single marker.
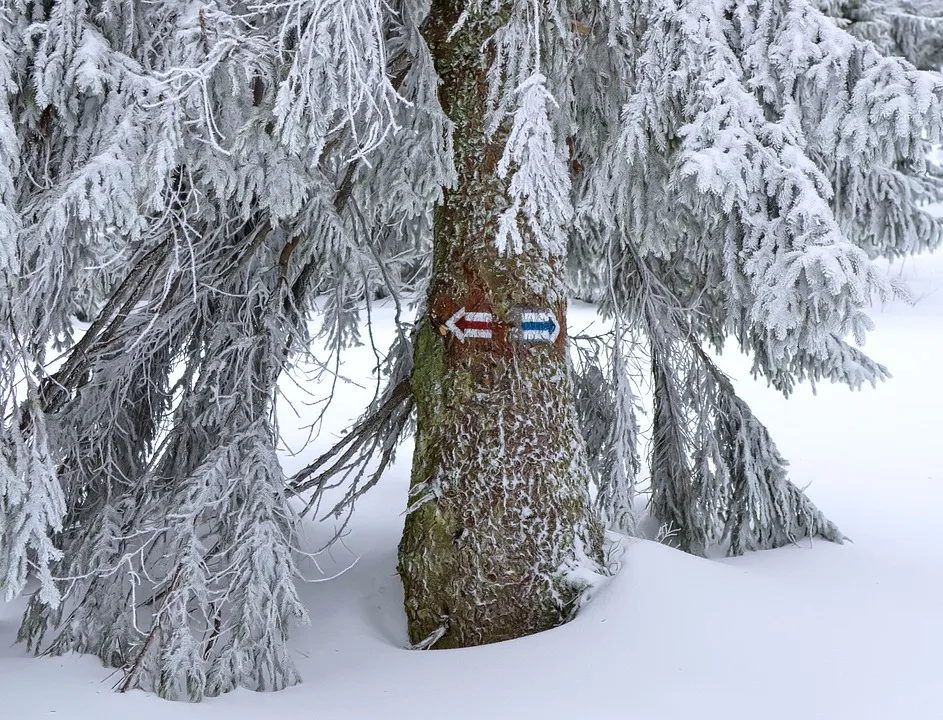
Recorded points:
(540, 185)
(608, 408)
(171, 180)
(197, 182)
(752, 161)
(912, 29)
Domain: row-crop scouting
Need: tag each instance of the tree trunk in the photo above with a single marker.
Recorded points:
(500, 535)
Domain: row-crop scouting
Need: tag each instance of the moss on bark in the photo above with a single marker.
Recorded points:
(501, 516)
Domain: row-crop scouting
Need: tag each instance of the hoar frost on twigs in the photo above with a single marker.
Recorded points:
(751, 163)
(206, 205)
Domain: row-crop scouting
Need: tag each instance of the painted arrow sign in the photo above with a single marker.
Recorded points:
(470, 325)
(539, 326)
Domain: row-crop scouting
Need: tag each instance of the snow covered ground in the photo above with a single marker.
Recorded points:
(851, 632)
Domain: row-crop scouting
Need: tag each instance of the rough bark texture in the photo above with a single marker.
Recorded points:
(500, 535)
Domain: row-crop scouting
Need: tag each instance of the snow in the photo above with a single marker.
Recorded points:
(813, 631)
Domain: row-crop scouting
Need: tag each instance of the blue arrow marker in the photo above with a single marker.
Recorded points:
(539, 326)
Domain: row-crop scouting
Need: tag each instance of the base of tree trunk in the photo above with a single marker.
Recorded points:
(501, 536)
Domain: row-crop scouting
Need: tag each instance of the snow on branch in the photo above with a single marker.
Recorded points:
(540, 181)
(337, 77)
(717, 478)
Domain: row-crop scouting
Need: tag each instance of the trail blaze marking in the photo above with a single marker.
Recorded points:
(539, 326)
(470, 325)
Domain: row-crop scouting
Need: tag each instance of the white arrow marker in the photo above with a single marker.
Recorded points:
(539, 326)
(470, 325)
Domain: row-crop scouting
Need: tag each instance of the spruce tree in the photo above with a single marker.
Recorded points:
(190, 194)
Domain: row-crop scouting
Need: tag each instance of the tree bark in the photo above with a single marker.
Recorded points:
(500, 534)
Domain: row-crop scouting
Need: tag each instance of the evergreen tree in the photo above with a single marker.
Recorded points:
(198, 183)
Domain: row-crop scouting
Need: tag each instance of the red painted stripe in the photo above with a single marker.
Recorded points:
(473, 325)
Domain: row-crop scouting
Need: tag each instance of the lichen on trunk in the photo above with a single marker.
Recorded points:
(500, 535)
